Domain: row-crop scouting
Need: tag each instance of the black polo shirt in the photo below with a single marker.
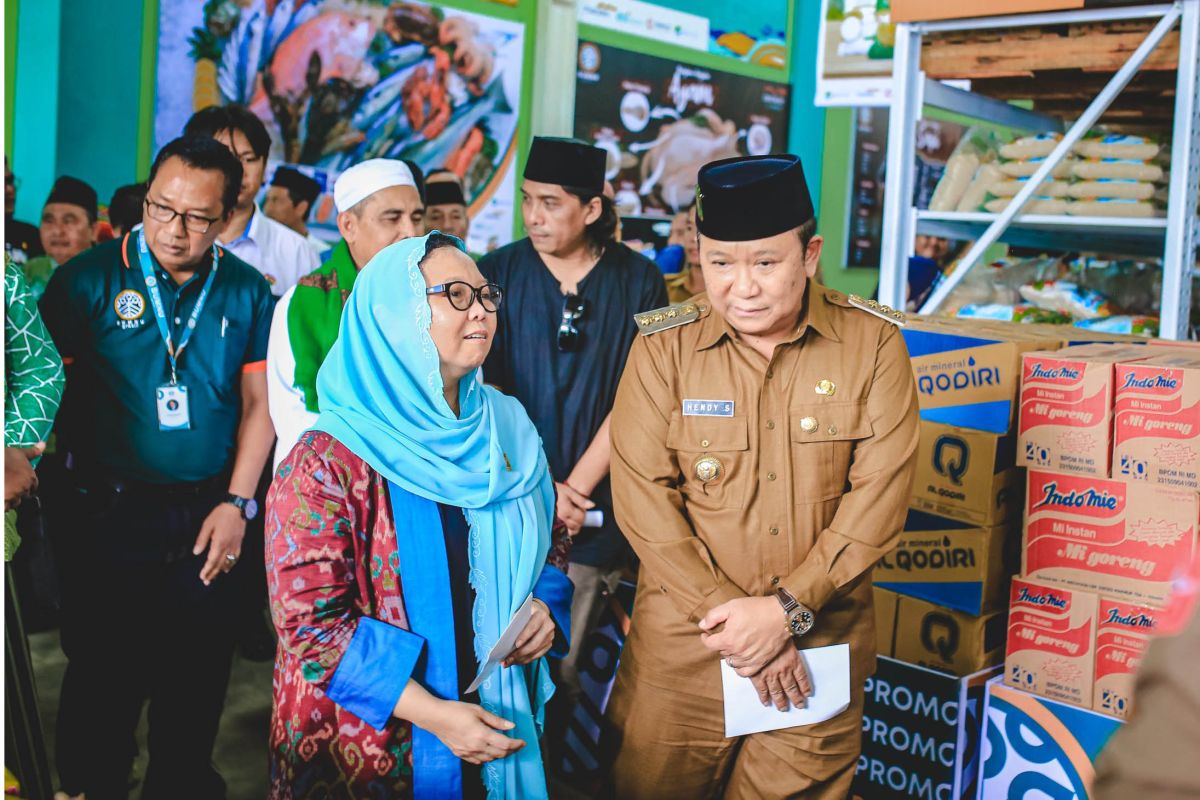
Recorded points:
(97, 309)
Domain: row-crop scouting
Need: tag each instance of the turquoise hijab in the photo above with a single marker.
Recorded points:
(381, 395)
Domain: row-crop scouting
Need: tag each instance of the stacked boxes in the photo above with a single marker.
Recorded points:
(1111, 515)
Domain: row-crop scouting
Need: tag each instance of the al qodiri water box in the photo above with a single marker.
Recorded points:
(1123, 634)
(1066, 407)
(1051, 639)
(1125, 539)
(1156, 420)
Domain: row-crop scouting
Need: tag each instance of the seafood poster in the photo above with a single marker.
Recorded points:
(854, 53)
(660, 121)
(340, 81)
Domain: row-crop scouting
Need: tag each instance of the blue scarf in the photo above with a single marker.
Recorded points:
(381, 395)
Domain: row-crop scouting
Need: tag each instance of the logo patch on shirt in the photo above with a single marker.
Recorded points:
(708, 408)
(129, 305)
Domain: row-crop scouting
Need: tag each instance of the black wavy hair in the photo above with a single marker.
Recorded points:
(214, 119)
(603, 231)
(204, 153)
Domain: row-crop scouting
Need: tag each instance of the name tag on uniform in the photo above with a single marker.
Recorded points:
(708, 408)
(173, 414)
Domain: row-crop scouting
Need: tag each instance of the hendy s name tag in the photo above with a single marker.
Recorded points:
(708, 408)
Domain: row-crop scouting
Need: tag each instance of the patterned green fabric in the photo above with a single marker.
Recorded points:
(33, 373)
(33, 378)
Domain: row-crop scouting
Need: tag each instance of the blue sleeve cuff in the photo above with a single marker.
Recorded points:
(555, 589)
(374, 670)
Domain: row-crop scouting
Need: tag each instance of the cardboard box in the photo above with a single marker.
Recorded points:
(952, 564)
(1156, 420)
(939, 638)
(1051, 641)
(966, 475)
(1123, 634)
(1065, 420)
(1066, 740)
(921, 734)
(1126, 540)
(968, 374)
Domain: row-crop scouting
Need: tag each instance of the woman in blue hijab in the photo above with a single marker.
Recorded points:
(403, 534)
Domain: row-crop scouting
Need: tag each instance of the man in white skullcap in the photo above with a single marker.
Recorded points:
(378, 204)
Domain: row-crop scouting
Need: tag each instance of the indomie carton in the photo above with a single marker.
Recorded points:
(1156, 420)
(1051, 635)
(1123, 634)
(1066, 407)
(1127, 540)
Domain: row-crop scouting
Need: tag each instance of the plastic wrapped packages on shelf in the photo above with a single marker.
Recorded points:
(970, 171)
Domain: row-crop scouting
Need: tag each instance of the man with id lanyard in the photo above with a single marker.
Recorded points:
(166, 428)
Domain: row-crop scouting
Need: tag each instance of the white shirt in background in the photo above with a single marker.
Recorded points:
(319, 245)
(278, 252)
(285, 402)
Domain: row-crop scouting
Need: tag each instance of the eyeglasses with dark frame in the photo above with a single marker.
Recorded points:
(573, 310)
(166, 215)
(463, 295)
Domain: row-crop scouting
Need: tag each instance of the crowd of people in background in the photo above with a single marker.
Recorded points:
(192, 326)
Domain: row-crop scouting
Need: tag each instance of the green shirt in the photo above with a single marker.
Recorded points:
(37, 275)
(98, 310)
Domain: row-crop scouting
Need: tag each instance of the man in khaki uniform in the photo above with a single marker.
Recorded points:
(763, 441)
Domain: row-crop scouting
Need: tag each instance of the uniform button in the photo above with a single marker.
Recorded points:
(704, 442)
(770, 476)
(770, 424)
(177, 320)
(774, 580)
(770, 373)
(833, 430)
(774, 530)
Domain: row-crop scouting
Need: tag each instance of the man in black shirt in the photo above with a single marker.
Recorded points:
(561, 347)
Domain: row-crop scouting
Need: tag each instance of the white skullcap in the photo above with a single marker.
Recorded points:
(368, 177)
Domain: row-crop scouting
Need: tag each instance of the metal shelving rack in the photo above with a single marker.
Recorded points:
(1174, 238)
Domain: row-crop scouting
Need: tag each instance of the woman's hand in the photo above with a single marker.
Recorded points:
(537, 638)
(471, 733)
(571, 507)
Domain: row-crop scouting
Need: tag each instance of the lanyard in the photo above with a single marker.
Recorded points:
(160, 314)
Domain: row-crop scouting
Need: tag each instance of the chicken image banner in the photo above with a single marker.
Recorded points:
(339, 82)
(661, 120)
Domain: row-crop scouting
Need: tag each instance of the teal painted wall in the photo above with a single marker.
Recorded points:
(99, 92)
(806, 129)
(35, 104)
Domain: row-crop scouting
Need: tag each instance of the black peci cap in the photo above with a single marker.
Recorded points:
(444, 193)
(752, 197)
(75, 192)
(566, 162)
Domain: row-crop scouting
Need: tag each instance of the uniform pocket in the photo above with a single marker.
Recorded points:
(823, 439)
(707, 445)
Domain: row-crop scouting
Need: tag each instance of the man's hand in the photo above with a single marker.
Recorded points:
(222, 534)
(571, 507)
(784, 679)
(535, 640)
(755, 631)
(20, 481)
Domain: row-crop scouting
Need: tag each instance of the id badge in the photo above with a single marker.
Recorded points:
(173, 408)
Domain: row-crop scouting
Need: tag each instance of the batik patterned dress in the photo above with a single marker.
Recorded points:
(333, 567)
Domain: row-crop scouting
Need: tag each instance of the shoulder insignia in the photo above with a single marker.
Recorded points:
(883, 312)
(660, 319)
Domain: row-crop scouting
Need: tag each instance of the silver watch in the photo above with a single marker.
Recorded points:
(800, 618)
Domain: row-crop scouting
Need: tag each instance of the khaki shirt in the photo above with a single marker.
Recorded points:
(816, 466)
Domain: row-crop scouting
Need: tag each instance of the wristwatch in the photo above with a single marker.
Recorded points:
(247, 505)
(800, 618)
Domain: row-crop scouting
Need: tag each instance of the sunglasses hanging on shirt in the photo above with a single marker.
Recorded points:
(568, 332)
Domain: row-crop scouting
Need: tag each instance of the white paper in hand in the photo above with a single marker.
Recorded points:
(505, 644)
(829, 672)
